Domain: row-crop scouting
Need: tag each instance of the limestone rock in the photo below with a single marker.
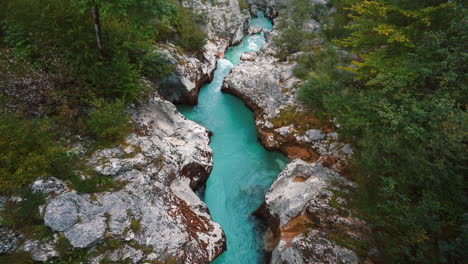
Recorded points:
(48, 186)
(298, 183)
(269, 87)
(161, 165)
(182, 85)
(313, 248)
(225, 26)
(9, 240)
(62, 212)
(248, 56)
(307, 212)
(40, 251)
(254, 30)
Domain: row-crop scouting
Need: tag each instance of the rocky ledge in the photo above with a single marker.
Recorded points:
(226, 24)
(309, 219)
(269, 88)
(152, 213)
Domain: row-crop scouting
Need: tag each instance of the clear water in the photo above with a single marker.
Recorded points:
(243, 170)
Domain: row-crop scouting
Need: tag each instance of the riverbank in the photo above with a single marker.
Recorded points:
(243, 170)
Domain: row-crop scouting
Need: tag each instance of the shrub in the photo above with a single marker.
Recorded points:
(28, 151)
(243, 4)
(291, 36)
(135, 225)
(23, 213)
(191, 36)
(17, 258)
(108, 123)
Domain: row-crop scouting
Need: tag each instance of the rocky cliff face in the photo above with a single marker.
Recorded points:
(153, 213)
(226, 24)
(307, 210)
(269, 88)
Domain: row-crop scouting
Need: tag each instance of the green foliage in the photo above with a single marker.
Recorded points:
(17, 258)
(243, 5)
(95, 184)
(108, 123)
(18, 214)
(191, 35)
(135, 225)
(28, 152)
(402, 104)
(68, 254)
(31, 29)
(292, 37)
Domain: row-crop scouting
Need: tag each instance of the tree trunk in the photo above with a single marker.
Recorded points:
(97, 28)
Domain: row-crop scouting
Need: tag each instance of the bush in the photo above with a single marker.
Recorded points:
(28, 151)
(108, 123)
(135, 225)
(191, 36)
(291, 36)
(23, 213)
(243, 5)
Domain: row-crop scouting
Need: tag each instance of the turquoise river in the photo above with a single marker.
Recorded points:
(243, 170)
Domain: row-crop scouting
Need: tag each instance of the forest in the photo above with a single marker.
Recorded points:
(394, 74)
(82, 81)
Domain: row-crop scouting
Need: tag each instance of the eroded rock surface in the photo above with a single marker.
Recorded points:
(226, 24)
(310, 219)
(153, 212)
(269, 87)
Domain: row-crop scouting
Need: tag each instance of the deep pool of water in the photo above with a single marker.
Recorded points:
(243, 170)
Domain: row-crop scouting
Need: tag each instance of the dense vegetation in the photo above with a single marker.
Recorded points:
(401, 101)
(69, 68)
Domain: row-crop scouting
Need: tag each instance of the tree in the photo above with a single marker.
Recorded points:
(292, 37)
(404, 110)
(139, 12)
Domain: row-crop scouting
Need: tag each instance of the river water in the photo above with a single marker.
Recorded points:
(243, 169)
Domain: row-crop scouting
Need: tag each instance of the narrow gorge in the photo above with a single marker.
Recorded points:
(232, 132)
(242, 169)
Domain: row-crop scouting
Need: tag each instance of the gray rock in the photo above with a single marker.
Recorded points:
(61, 212)
(311, 26)
(9, 240)
(248, 56)
(162, 165)
(127, 253)
(313, 248)
(269, 87)
(299, 201)
(49, 186)
(285, 130)
(87, 233)
(333, 136)
(298, 183)
(254, 30)
(315, 134)
(253, 10)
(347, 149)
(40, 251)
